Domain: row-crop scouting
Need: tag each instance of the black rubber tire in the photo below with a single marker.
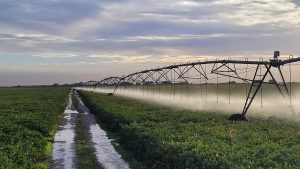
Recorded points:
(238, 117)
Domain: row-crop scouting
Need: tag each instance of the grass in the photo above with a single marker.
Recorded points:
(126, 155)
(85, 152)
(28, 120)
(86, 158)
(165, 137)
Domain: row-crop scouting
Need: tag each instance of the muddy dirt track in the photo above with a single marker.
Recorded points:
(64, 153)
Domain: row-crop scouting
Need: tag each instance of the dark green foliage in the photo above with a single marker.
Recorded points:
(167, 138)
(28, 118)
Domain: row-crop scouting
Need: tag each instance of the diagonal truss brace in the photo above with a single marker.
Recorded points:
(257, 84)
(218, 71)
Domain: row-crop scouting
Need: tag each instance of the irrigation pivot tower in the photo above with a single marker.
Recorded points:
(203, 71)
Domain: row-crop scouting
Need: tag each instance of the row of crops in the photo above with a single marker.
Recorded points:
(28, 119)
(165, 137)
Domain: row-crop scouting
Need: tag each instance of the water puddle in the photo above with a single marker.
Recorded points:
(106, 153)
(63, 147)
(104, 150)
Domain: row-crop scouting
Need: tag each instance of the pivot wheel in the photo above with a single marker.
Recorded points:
(238, 117)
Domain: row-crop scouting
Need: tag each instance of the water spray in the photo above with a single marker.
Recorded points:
(195, 72)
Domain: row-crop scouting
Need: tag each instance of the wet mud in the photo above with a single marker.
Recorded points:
(104, 150)
(64, 145)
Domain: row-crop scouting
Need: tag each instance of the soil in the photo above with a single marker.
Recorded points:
(64, 146)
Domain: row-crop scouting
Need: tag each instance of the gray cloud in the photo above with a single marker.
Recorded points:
(47, 10)
(128, 31)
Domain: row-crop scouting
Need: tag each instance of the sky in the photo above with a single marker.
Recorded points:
(67, 41)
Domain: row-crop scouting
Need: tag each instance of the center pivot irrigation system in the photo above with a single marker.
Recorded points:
(250, 72)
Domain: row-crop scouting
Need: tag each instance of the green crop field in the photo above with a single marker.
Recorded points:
(163, 137)
(28, 119)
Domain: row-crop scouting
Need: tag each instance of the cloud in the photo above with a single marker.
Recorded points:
(176, 37)
(281, 13)
(55, 55)
(127, 26)
(104, 32)
(35, 38)
(58, 11)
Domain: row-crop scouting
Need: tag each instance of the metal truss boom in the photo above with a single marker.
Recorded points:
(220, 68)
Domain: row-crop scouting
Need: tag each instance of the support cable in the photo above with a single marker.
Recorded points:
(205, 83)
(290, 67)
(171, 84)
(217, 86)
(159, 88)
(246, 75)
(167, 81)
(132, 87)
(174, 87)
(181, 89)
(188, 88)
(136, 88)
(201, 90)
(156, 85)
(153, 89)
(147, 86)
(143, 86)
(140, 87)
(229, 86)
(261, 88)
